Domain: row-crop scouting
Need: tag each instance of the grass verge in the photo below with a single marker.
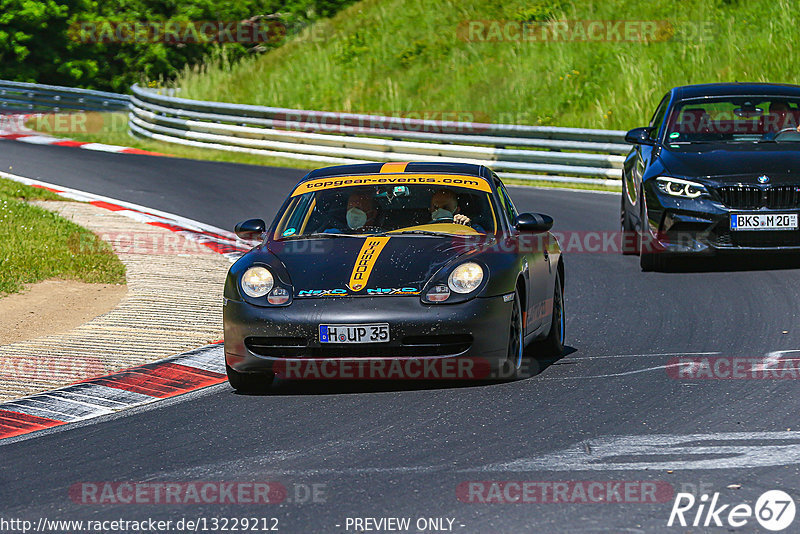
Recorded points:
(605, 64)
(36, 244)
(562, 185)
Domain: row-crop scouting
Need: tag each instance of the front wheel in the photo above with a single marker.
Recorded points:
(511, 367)
(651, 259)
(553, 345)
(650, 262)
(249, 382)
(630, 236)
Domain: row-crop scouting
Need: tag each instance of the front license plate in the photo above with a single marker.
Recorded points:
(354, 333)
(764, 221)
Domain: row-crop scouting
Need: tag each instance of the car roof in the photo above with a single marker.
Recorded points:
(422, 167)
(732, 89)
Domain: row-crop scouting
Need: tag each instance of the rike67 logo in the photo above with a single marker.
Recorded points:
(774, 510)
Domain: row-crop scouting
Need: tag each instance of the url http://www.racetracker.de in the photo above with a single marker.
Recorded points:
(195, 524)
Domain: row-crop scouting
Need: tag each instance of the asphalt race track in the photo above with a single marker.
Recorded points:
(609, 410)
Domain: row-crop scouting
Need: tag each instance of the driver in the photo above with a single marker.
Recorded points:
(781, 115)
(444, 205)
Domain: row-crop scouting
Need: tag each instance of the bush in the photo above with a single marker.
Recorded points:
(39, 42)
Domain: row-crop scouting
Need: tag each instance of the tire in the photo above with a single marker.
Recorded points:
(552, 346)
(628, 230)
(511, 367)
(249, 382)
(650, 262)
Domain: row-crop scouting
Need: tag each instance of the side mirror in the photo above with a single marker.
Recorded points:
(250, 229)
(534, 222)
(640, 136)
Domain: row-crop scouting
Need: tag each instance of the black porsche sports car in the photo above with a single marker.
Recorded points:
(717, 169)
(396, 270)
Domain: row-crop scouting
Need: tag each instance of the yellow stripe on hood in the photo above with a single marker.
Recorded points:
(365, 261)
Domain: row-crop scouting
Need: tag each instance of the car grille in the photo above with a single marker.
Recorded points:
(760, 239)
(412, 346)
(755, 197)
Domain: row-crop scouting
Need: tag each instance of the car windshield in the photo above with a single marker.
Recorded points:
(411, 205)
(734, 119)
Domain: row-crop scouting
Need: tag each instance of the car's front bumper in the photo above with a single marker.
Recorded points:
(261, 339)
(702, 225)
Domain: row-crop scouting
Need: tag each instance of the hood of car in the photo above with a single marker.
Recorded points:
(736, 162)
(366, 266)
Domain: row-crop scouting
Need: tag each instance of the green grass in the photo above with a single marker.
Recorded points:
(36, 244)
(562, 185)
(399, 57)
(410, 58)
(10, 189)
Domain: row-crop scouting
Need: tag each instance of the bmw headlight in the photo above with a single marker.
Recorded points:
(257, 281)
(465, 278)
(678, 187)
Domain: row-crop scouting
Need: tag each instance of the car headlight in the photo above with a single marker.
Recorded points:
(465, 278)
(257, 281)
(680, 188)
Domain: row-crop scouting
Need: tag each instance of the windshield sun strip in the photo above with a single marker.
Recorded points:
(476, 183)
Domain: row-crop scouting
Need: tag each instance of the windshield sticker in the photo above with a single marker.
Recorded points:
(469, 182)
(674, 135)
(365, 261)
(289, 232)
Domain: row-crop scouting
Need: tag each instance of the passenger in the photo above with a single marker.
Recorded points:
(362, 212)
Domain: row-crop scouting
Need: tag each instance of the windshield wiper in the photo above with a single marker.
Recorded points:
(696, 142)
(778, 140)
(421, 232)
(320, 234)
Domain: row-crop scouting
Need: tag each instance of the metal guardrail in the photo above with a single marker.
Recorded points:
(516, 151)
(36, 98)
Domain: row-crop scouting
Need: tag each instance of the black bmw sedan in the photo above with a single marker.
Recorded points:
(717, 169)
